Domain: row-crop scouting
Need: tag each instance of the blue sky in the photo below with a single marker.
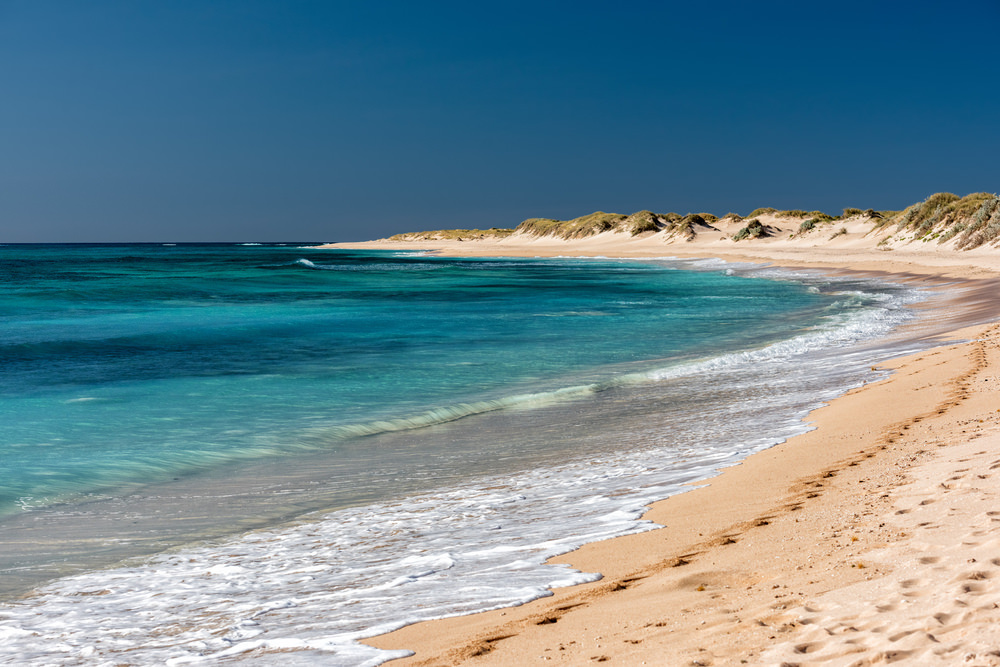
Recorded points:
(283, 120)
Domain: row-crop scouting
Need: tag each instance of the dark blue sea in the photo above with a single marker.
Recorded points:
(261, 453)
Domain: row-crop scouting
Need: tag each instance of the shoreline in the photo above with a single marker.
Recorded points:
(855, 252)
(780, 558)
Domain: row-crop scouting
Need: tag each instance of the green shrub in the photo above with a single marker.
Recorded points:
(851, 212)
(955, 230)
(755, 229)
(807, 225)
(762, 211)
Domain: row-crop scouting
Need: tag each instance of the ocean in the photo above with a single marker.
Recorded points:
(261, 453)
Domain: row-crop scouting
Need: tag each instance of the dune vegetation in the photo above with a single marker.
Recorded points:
(453, 235)
(974, 219)
(964, 222)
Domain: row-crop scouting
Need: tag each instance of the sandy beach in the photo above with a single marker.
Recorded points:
(874, 538)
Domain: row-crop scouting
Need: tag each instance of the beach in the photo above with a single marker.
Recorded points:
(871, 539)
(355, 443)
(350, 442)
(354, 334)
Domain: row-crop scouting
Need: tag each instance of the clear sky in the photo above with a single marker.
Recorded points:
(270, 120)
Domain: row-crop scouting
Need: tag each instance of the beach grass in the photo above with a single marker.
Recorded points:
(974, 219)
(586, 225)
(453, 235)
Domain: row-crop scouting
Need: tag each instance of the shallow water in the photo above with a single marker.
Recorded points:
(325, 445)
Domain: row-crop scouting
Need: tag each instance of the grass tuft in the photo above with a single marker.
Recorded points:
(586, 225)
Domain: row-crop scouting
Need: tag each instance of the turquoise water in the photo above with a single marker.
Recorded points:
(264, 453)
(134, 364)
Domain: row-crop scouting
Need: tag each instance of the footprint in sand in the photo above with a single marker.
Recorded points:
(973, 589)
(942, 618)
(913, 588)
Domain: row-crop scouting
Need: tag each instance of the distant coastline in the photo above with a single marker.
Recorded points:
(943, 220)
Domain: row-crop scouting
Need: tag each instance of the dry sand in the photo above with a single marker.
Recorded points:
(873, 539)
